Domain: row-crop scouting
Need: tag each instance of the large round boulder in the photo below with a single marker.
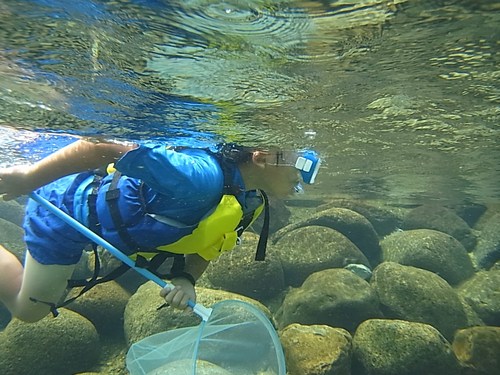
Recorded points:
(316, 350)
(237, 271)
(12, 211)
(309, 249)
(430, 250)
(487, 251)
(397, 347)
(478, 349)
(334, 297)
(103, 305)
(385, 219)
(417, 295)
(482, 293)
(351, 224)
(64, 345)
(441, 219)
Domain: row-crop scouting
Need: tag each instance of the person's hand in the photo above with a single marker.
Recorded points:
(14, 181)
(179, 296)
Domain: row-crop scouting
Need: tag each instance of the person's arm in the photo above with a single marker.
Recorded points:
(79, 156)
(183, 289)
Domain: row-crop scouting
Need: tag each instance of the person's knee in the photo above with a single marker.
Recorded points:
(29, 318)
(29, 310)
(30, 314)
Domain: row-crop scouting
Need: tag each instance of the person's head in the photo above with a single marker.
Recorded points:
(277, 172)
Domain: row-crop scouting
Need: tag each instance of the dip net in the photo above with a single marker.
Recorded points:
(237, 339)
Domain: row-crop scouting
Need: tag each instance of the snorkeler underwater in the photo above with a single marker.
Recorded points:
(249, 187)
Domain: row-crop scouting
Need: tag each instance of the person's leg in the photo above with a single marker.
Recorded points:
(45, 283)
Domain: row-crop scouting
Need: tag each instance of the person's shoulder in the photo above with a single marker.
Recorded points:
(177, 155)
(165, 146)
(193, 151)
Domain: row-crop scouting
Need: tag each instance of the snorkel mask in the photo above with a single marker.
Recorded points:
(306, 161)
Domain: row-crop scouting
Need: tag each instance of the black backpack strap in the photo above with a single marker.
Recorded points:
(260, 254)
(117, 272)
(156, 261)
(112, 196)
(92, 202)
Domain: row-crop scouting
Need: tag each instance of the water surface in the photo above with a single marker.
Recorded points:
(400, 97)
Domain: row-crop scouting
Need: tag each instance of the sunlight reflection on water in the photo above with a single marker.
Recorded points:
(401, 109)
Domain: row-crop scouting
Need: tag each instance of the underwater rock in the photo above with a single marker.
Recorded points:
(316, 350)
(335, 297)
(350, 223)
(12, 211)
(431, 250)
(12, 236)
(185, 367)
(238, 272)
(398, 347)
(473, 318)
(360, 270)
(63, 345)
(478, 348)
(417, 295)
(441, 219)
(142, 317)
(470, 212)
(4, 316)
(309, 249)
(103, 305)
(487, 250)
(384, 219)
(482, 293)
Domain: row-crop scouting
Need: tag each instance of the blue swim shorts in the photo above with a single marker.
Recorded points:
(49, 239)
